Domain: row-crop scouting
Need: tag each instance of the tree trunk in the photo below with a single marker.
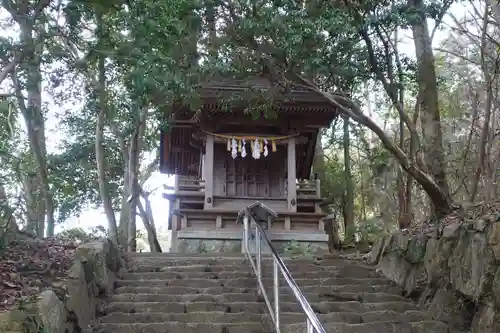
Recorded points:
(8, 223)
(319, 162)
(429, 107)
(35, 208)
(349, 108)
(133, 169)
(149, 224)
(485, 132)
(349, 187)
(33, 117)
(123, 227)
(99, 141)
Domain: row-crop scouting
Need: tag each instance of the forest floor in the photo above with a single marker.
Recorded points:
(30, 265)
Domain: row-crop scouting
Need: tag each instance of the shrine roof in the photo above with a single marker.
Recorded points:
(286, 96)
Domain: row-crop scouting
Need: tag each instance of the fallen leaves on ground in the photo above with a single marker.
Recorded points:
(27, 266)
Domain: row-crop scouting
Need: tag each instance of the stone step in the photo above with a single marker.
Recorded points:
(164, 262)
(228, 274)
(353, 271)
(183, 255)
(285, 317)
(255, 307)
(220, 317)
(179, 327)
(377, 327)
(239, 297)
(164, 290)
(247, 282)
(256, 327)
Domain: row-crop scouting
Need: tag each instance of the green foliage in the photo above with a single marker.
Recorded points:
(158, 52)
(78, 235)
(370, 230)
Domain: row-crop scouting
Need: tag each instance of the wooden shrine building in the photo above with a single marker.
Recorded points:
(226, 160)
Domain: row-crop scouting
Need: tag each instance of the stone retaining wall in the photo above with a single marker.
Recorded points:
(454, 271)
(74, 304)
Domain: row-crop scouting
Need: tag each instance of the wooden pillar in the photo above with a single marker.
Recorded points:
(209, 172)
(292, 176)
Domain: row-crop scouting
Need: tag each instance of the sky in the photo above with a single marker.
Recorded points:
(93, 217)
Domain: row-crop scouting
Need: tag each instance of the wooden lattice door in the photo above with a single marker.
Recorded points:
(246, 177)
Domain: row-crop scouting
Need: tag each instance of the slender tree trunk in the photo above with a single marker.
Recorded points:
(123, 227)
(349, 186)
(485, 133)
(99, 140)
(149, 224)
(429, 111)
(31, 110)
(133, 169)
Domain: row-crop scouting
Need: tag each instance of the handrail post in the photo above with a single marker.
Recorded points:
(245, 233)
(276, 287)
(310, 327)
(252, 214)
(258, 257)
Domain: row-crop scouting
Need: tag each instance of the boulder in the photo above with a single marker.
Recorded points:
(102, 259)
(91, 276)
(494, 239)
(452, 230)
(377, 250)
(53, 313)
(470, 264)
(436, 259)
(81, 292)
(486, 320)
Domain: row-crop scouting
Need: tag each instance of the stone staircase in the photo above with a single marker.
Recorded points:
(174, 293)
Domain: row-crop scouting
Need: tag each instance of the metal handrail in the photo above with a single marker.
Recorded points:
(312, 321)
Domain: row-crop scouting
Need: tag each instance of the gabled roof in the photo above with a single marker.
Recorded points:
(177, 156)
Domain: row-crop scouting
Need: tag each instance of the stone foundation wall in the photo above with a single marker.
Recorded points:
(193, 245)
(234, 246)
(72, 306)
(454, 271)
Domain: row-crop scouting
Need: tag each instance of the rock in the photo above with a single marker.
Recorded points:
(394, 267)
(12, 321)
(448, 306)
(451, 230)
(400, 242)
(416, 279)
(416, 249)
(496, 287)
(98, 255)
(52, 313)
(470, 264)
(435, 233)
(488, 218)
(479, 225)
(80, 295)
(436, 258)
(494, 239)
(486, 320)
(377, 250)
